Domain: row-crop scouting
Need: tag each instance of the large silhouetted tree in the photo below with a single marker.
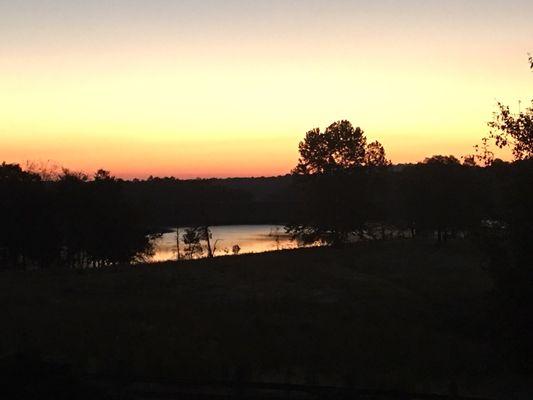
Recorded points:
(334, 188)
(339, 147)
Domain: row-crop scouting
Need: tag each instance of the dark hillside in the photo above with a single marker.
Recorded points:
(391, 315)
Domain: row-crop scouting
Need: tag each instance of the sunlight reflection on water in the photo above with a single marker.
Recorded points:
(250, 239)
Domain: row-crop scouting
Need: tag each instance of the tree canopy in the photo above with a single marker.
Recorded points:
(514, 130)
(375, 155)
(339, 147)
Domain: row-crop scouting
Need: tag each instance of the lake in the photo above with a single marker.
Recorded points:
(250, 239)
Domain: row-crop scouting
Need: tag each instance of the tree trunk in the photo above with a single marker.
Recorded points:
(209, 251)
(178, 242)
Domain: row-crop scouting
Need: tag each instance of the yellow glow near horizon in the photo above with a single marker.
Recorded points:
(217, 106)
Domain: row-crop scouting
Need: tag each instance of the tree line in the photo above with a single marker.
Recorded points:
(74, 220)
(68, 220)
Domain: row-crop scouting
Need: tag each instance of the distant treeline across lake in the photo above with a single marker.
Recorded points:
(231, 201)
(76, 220)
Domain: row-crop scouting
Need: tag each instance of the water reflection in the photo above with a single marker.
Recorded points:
(250, 239)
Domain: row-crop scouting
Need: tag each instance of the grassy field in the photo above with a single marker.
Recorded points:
(400, 315)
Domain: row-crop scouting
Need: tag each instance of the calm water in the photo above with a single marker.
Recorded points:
(250, 238)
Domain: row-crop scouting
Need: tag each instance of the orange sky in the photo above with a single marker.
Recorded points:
(192, 91)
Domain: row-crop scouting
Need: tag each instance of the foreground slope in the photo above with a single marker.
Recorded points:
(401, 315)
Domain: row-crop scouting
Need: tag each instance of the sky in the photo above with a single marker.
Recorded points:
(220, 88)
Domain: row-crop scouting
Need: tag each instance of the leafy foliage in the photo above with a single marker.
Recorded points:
(375, 155)
(513, 130)
(192, 239)
(339, 147)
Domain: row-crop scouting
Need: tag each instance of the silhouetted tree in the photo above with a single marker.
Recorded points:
(191, 239)
(442, 160)
(339, 147)
(103, 176)
(375, 155)
(118, 232)
(24, 223)
(69, 221)
(334, 193)
(484, 154)
(442, 197)
(508, 239)
(469, 160)
(514, 130)
(207, 235)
